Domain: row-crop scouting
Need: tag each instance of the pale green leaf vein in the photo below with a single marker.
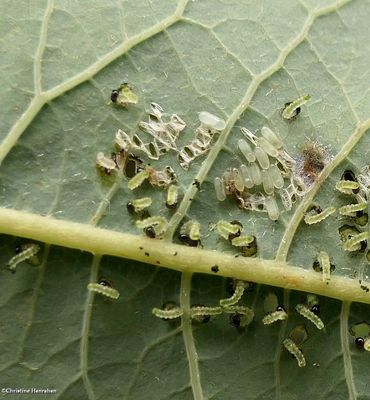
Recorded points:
(347, 361)
(41, 47)
(84, 345)
(191, 351)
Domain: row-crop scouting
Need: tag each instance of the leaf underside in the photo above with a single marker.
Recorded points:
(241, 61)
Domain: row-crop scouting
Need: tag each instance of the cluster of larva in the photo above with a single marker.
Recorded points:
(352, 237)
(231, 231)
(104, 288)
(209, 126)
(240, 315)
(310, 310)
(153, 226)
(25, 252)
(361, 333)
(254, 184)
(276, 312)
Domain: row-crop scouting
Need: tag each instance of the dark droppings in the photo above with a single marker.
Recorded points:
(215, 269)
(196, 183)
(365, 288)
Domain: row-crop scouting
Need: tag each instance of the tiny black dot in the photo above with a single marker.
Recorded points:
(141, 248)
(175, 253)
(147, 254)
(114, 95)
(215, 269)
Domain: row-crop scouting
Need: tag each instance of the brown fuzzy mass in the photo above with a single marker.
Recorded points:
(314, 160)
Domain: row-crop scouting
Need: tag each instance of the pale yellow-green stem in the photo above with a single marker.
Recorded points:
(177, 257)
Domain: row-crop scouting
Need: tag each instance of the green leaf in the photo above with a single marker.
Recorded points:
(241, 61)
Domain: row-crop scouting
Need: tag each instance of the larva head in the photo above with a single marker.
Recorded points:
(348, 175)
(313, 303)
(184, 238)
(240, 320)
(114, 95)
(150, 232)
(361, 333)
(123, 95)
(359, 342)
(130, 207)
(105, 282)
